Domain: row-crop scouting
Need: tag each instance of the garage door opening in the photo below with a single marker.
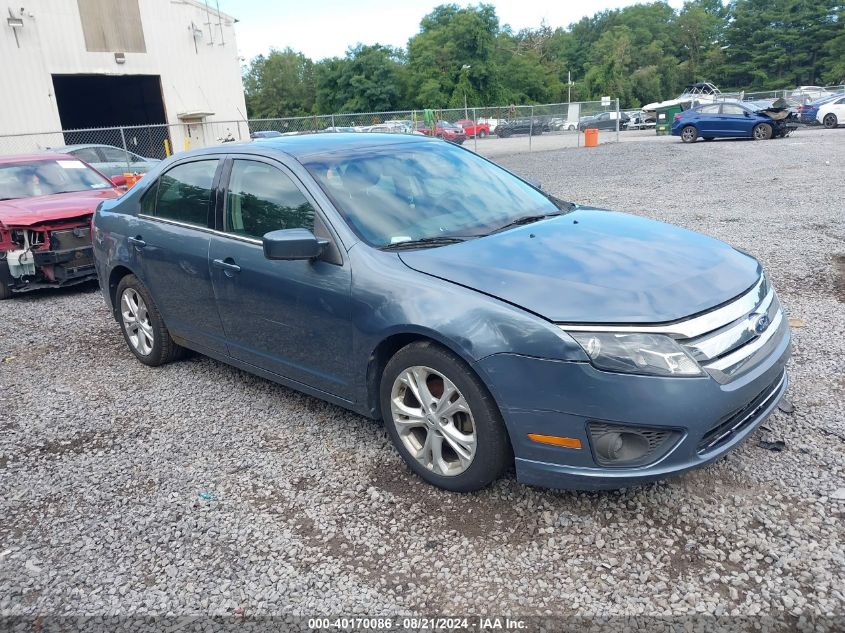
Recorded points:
(96, 101)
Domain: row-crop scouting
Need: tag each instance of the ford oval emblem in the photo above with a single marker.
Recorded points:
(761, 324)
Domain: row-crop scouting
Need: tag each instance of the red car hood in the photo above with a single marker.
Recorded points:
(29, 211)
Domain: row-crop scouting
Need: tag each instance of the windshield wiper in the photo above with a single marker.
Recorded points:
(525, 219)
(421, 242)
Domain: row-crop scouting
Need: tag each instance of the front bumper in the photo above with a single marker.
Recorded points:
(559, 398)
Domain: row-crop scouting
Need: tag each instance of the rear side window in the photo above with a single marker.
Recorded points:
(184, 193)
(88, 154)
(263, 198)
(710, 109)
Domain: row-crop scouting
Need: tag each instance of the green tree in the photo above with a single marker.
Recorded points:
(280, 84)
(449, 39)
(368, 79)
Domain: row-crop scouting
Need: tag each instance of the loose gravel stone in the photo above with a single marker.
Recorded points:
(197, 489)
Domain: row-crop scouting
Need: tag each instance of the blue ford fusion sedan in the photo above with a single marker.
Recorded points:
(485, 321)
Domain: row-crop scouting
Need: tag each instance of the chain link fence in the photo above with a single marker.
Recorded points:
(490, 130)
(487, 130)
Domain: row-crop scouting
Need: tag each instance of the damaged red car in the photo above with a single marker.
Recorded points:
(46, 205)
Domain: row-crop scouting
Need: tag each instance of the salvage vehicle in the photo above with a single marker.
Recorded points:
(473, 129)
(46, 204)
(108, 159)
(604, 121)
(483, 320)
(832, 114)
(734, 119)
(523, 125)
(443, 129)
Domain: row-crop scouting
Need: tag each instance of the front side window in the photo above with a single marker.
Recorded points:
(732, 108)
(88, 154)
(184, 193)
(262, 198)
(114, 155)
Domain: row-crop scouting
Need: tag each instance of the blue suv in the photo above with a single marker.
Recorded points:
(486, 322)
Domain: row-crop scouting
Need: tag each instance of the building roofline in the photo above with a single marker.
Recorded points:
(200, 4)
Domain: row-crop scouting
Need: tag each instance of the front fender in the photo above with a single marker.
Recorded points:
(389, 298)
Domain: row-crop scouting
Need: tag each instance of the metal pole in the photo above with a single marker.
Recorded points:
(569, 83)
(475, 137)
(617, 119)
(125, 149)
(333, 123)
(531, 128)
(578, 127)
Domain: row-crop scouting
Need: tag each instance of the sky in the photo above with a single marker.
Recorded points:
(327, 28)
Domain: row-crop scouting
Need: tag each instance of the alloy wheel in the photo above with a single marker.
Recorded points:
(689, 134)
(830, 121)
(433, 420)
(136, 322)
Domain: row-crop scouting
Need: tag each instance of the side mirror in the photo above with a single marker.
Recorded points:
(293, 244)
(118, 180)
(747, 113)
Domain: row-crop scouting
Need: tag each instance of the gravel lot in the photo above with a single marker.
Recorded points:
(198, 489)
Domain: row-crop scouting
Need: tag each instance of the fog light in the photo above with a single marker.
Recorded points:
(615, 445)
(626, 447)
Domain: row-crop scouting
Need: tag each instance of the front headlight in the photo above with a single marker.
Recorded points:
(651, 354)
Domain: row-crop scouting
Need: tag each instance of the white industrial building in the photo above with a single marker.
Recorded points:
(72, 64)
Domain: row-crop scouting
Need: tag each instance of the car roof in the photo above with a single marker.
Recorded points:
(306, 145)
(28, 158)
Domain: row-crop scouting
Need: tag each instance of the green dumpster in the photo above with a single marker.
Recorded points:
(664, 118)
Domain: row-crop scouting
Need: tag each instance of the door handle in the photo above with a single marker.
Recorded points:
(227, 266)
(137, 242)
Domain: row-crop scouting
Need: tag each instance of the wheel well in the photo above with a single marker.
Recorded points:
(379, 358)
(117, 273)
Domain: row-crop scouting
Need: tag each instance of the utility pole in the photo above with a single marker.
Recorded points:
(569, 84)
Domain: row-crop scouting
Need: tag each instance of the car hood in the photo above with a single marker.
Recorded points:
(29, 211)
(593, 266)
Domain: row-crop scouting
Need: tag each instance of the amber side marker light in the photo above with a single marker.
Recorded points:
(554, 440)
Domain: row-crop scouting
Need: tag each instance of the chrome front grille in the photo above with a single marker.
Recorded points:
(735, 344)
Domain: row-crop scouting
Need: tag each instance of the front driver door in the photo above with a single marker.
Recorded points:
(735, 120)
(288, 317)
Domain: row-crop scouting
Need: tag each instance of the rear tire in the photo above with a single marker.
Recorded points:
(689, 134)
(442, 420)
(143, 328)
(830, 121)
(761, 132)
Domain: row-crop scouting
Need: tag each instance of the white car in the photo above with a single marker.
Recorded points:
(832, 113)
(810, 93)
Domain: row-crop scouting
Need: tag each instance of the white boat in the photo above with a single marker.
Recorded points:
(695, 94)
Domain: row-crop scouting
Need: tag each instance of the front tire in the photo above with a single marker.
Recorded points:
(689, 134)
(143, 328)
(762, 132)
(830, 121)
(482, 134)
(442, 420)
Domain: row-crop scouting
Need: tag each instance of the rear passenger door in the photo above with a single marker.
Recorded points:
(171, 240)
(291, 318)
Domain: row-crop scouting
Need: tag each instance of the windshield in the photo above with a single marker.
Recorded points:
(402, 193)
(47, 177)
